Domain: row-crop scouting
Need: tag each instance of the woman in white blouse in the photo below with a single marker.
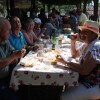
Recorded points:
(89, 65)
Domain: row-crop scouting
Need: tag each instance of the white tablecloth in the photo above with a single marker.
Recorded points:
(43, 73)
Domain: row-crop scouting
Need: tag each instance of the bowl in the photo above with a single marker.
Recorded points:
(67, 30)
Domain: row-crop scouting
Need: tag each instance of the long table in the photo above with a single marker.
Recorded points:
(44, 74)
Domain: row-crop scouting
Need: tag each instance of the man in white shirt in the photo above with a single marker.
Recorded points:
(82, 18)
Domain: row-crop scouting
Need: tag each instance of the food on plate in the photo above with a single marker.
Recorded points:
(52, 60)
(61, 37)
(67, 30)
(27, 62)
(48, 50)
(57, 51)
(40, 59)
(39, 53)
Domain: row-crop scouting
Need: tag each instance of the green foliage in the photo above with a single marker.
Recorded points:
(63, 2)
(38, 5)
(99, 4)
(3, 11)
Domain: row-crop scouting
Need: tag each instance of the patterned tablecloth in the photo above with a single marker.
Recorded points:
(43, 73)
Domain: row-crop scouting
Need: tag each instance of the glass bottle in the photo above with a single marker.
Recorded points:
(53, 37)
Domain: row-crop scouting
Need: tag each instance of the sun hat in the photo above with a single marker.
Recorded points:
(37, 20)
(92, 26)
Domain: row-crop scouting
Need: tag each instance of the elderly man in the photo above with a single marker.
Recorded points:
(16, 38)
(6, 58)
(89, 65)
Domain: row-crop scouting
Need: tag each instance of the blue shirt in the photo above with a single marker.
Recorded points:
(49, 27)
(37, 31)
(73, 21)
(17, 42)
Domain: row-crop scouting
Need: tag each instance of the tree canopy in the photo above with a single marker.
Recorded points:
(61, 2)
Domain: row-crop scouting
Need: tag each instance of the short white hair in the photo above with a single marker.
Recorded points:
(37, 20)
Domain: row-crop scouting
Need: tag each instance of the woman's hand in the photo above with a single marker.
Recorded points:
(75, 37)
(60, 59)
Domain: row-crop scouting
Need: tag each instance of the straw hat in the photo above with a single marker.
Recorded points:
(92, 26)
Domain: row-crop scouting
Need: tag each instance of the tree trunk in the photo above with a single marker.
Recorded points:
(96, 9)
(84, 7)
(48, 6)
(44, 6)
(33, 4)
(7, 4)
(12, 6)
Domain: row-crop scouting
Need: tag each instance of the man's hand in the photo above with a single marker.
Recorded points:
(17, 54)
(14, 61)
(36, 47)
(23, 51)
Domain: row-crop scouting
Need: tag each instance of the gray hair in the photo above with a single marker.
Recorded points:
(26, 23)
(3, 22)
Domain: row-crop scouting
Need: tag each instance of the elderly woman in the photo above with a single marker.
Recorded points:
(27, 30)
(89, 65)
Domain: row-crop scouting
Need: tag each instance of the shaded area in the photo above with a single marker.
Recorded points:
(39, 92)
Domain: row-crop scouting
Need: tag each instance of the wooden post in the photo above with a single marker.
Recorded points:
(96, 9)
(12, 6)
(7, 5)
(33, 4)
(48, 7)
(84, 7)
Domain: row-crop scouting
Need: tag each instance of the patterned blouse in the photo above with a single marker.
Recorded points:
(93, 78)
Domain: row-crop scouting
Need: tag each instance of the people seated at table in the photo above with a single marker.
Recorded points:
(88, 66)
(57, 20)
(82, 18)
(27, 29)
(49, 27)
(7, 56)
(37, 29)
(42, 16)
(73, 22)
(16, 38)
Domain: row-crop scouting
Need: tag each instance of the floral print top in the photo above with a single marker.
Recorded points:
(93, 78)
